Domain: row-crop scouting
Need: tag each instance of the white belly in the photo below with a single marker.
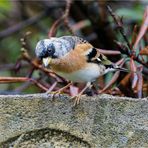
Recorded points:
(88, 74)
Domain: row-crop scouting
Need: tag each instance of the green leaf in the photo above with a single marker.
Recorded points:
(134, 14)
(5, 5)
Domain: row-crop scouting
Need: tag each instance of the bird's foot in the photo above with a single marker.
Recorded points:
(76, 99)
(54, 94)
(78, 96)
(57, 93)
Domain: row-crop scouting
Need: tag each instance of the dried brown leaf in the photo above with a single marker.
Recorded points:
(124, 82)
(120, 62)
(134, 76)
(114, 78)
(144, 51)
(133, 66)
(111, 82)
(134, 35)
(143, 28)
(124, 86)
(134, 80)
(140, 82)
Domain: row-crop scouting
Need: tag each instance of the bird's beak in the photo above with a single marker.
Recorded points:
(46, 61)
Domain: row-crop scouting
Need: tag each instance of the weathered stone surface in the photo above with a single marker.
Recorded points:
(102, 121)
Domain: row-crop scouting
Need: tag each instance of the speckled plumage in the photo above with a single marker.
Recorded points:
(62, 45)
(74, 59)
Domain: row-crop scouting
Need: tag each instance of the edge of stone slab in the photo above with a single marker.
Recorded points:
(65, 97)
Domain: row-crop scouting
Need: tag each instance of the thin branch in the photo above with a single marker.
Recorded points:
(119, 25)
(19, 26)
(21, 79)
(124, 50)
(66, 21)
(36, 64)
(109, 52)
(11, 66)
(114, 78)
(7, 32)
(143, 28)
(64, 18)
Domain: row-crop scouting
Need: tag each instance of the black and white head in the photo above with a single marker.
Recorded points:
(52, 48)
(46, 50)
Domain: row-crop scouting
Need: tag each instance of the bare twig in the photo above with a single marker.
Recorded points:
(11, 66)
(22, 79)
(7, 32)
(134, 35)
(52, 86)
(62, 19)
(114, 78)
(66, 22)
(19, 26)
(124, 50)
(37, 65)
(35, 62)
(122, 47)
(140, 82)
(143, 28)
(54, 27)
(109, 52)
(119, 25)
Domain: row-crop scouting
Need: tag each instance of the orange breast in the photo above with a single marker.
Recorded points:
(73, 61)
(69, 63)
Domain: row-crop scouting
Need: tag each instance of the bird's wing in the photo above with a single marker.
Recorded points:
(78, 44)
(74, 40)
(96, 57)
(65, 44)
(93, 55)
(83, 46)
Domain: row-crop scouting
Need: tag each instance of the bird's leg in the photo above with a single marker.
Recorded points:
(96, 85)
(78, 96)
(59, 91)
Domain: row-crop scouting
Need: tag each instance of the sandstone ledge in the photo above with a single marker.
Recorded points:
(102, 121)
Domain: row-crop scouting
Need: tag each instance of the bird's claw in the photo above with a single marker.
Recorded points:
(53, 94)
(76, 99)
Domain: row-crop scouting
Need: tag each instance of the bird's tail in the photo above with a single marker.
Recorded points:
(116, 67)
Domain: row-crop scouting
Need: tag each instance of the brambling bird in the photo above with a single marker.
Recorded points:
(75, 59)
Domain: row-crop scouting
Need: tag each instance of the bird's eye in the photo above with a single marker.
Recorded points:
(49, 50)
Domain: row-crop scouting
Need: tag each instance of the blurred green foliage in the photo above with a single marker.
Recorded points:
(134, 14)
(10, 45)
(5, 7)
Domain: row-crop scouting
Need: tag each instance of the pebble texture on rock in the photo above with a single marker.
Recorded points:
(103, 121)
